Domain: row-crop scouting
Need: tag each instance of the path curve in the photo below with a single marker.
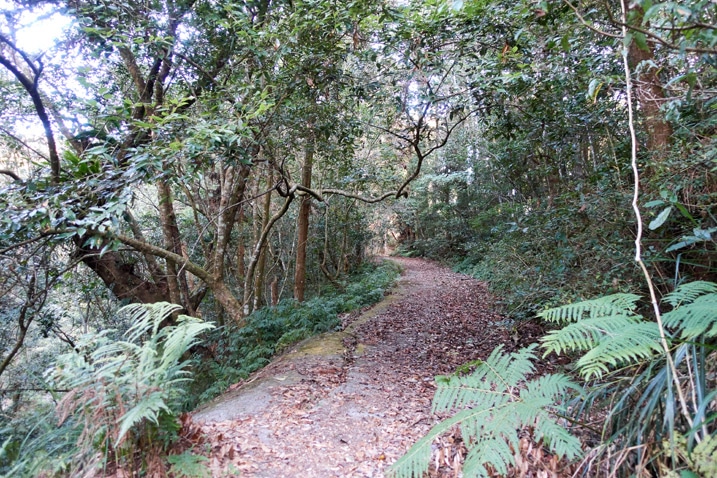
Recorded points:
(349, 404)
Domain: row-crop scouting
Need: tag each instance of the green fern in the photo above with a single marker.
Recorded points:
(701, 461)
(704, 457)
(124, 393)
(694, 310)
(189, 465)
(613, 339)
(611, 305)
(613, 335)
(688, 292)
(607, 329)
(497, 399)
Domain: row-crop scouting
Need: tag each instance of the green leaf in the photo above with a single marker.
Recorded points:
(565, 44)
(593, 89)
(655, 203)
(651, 12)
(641, 41)
(686, 242)
(685, 213)
(660, 219)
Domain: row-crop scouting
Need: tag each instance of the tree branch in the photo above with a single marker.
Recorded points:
(7, 172)
(369, 200)
(24, 144)
(249, 278)
(145, 247)
(31, 88)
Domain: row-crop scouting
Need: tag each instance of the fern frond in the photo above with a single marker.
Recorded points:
(616, 304)
(548, 390)
(511, 370)
(498, 422)
(538, 398)
(416, 460)
(587, 333)
(490, 451)
(697, 317)
(147, 409)
(557, 437)
(704, 456)
(687, 293)
(181, 337)
(483, 387)
(146, 318)
(124, 388)
(633, 343)
(503, 401)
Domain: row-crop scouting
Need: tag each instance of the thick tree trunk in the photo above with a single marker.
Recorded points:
(303, 225)
(122, 279)
(650, 95)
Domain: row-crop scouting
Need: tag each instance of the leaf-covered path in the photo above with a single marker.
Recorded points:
(350, 404)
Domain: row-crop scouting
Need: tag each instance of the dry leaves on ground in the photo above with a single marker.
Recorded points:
(354, 415)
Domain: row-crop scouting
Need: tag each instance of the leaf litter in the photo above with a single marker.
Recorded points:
(353, 410)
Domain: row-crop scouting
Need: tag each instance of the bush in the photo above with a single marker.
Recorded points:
(541, 256)
(122, 398)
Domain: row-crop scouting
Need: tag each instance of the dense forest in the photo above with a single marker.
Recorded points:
(244, 161)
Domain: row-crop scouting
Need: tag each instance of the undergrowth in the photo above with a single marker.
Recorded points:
(239, 352)
(545, 255)
(655, 422)
(117, 402)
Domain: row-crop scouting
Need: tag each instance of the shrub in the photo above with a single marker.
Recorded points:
(542, 256)
(122, 399)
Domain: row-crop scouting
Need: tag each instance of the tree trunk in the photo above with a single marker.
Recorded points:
(261, 266)
(275, 291)
(121, 278)
(303, 224)
(228, 301)
(168, 221)
(650, 95)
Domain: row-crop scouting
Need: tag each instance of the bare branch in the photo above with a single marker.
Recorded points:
(24, 143)
(7, 172)
(30, 86)
(369, 200)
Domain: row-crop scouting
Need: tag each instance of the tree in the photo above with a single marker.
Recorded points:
(191, 102)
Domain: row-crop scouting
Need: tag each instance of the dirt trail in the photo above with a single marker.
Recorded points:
(349, 404)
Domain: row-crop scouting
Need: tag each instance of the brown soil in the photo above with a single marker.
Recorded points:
(350, 404)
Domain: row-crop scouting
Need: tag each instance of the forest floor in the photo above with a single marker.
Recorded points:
(350, 403)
